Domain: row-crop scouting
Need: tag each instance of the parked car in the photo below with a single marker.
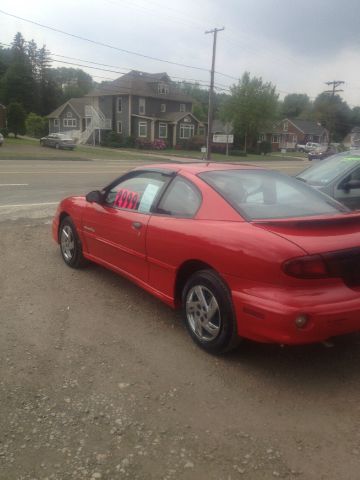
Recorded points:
(58, 140)
(308, 147)
(1, 139)
(338, 176)
(246, 252)
(322, 153)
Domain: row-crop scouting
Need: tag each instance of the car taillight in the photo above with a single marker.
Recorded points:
(310, 266)
(343, 264)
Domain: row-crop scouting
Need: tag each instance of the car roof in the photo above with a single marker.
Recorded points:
(199, 167)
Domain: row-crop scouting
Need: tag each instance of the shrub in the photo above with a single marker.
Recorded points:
(16, 116)
(157, 144)
(264, 147)
(4, 131)
(36, 126)
(112, 139)
(129, 142)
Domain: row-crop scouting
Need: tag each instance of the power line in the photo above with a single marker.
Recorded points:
(79, 37)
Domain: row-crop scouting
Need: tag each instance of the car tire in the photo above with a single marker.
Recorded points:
(70, 244)
(208, 312)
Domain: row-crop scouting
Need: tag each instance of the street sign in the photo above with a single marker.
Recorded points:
(223, 138)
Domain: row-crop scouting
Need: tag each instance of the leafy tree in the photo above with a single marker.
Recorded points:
(355, 117)
(16, 116)
(36, 126)
(251, 106)
(295, 104)
(334, 114)
(73, 81)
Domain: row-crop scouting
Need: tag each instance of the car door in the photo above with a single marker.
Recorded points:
(170, 236)
(349, 196)
(115, 230)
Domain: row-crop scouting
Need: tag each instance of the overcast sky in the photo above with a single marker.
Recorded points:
(297, 45)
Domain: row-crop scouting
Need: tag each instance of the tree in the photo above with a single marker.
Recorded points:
(295, 104)
(334, 114)
(18, 83)
(251, 106)
(36, 126)
(16, 116)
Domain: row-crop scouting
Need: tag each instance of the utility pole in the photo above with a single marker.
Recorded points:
(335, 84)
(211, 93)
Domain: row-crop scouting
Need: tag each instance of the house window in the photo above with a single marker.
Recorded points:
(201, 130)
(163, 107)
(163, 89)
(119, 104)
(141, 106)
(142, 129)
(56, 122)
(69, 122)
(262, 137)
(186, 130)
(119, 127)
(69, 114)
(182, 107)
(163, 133)
(275, 139)
(286, 126)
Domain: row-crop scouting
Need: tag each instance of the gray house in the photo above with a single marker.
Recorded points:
(143, 105)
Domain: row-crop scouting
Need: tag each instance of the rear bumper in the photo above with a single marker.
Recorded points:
(269, 320)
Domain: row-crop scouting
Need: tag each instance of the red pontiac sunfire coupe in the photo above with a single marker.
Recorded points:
(247, 252)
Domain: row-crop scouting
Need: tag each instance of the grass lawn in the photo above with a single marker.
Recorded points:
(30, 149)
(25, 148)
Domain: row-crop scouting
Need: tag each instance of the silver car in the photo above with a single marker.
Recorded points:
(338, 176)
(58, 140)
(1, 139)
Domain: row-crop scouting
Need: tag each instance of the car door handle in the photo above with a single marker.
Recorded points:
(136, 225)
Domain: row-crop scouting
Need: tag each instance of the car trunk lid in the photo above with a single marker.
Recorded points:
(336, 239)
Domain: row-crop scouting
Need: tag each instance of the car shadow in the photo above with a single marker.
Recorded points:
(338, 362)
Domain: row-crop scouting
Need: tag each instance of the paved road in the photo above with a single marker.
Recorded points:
(34, 187)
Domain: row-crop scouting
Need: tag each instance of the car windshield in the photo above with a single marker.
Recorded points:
(323, 173)
(263, 194)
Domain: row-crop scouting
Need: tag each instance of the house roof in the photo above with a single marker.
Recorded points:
(142, 84)
(307, 127)
(77, 104)
(172, 117)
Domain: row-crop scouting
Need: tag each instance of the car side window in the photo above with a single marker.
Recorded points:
(181, 199)
(137, 193)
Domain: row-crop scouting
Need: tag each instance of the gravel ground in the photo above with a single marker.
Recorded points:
(98, 380)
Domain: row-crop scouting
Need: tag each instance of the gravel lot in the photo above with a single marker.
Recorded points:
(98, 380)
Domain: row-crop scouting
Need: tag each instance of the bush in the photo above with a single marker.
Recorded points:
(4, 131)
(112, 139)
(36, 126)
(264, 147)
(157, 144)
(16, 116)
(129, 142)
(193, 143)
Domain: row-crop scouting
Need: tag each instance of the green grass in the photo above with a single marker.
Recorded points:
(25, 148)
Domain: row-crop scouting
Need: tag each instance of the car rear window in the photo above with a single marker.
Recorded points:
(263, 194)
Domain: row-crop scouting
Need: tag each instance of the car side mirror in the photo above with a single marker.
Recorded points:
(94, 197)
(351, 184)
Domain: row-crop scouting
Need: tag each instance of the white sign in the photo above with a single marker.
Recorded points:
(148, 198)
(221, 138)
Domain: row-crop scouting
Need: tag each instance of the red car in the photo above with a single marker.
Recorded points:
(246, 252)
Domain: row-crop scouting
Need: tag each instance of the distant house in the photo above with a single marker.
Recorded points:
(287, 133)
(143, 105)
(2, 116)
